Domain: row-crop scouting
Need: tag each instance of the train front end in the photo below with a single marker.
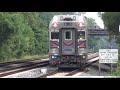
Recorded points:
(68, 42)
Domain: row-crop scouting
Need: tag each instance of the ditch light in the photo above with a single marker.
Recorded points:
(55, 24)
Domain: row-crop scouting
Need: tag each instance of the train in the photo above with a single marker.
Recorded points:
(68, 44)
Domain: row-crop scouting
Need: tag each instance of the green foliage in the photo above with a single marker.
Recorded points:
(17, 38)
(117, 72)
(111, 21)
(94, 42)
(90, 23)
(97, 42)
(24, 33)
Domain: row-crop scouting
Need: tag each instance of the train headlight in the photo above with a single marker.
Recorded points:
(81, 24)
(53, 57)
(55, 24)
(81, 38)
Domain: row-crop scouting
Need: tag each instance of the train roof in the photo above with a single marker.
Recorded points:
(67, 17)
(72, 18)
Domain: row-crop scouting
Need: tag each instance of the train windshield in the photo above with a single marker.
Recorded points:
(54, 35)
(68, 35)
(81, 35)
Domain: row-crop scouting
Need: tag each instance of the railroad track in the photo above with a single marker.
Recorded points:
(16, 67)
(58, 73)
(71, 73)
(18, 62)
(13, 65)
(63, 73)
(22, 67)
(92, 60)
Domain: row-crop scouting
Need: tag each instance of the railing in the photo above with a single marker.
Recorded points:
(97, 32)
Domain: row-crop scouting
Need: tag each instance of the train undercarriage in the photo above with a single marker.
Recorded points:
(68, 61)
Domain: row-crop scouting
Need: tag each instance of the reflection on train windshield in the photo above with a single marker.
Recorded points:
(54, 35)
(81, 35)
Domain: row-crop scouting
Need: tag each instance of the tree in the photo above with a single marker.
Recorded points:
(94, 42)
(111, 21)
(18, 36)
(90, 23)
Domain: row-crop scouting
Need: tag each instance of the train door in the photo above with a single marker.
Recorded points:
(68, 41)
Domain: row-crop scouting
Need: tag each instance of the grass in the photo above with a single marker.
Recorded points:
(27, 57)
(117, 73)
(34, 57)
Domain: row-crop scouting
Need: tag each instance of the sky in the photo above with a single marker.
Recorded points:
(94, 15)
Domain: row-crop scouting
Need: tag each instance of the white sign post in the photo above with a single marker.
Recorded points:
(119, 28)
(108, 56)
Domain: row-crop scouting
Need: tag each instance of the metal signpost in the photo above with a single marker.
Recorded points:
(108, 56)
(119, 28)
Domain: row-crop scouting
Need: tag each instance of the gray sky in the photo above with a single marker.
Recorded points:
(94, 15)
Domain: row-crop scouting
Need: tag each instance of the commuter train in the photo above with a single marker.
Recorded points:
(68, 41)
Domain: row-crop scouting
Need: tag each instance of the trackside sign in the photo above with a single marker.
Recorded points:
(108, 55)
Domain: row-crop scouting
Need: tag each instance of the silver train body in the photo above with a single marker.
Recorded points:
(68, 41)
